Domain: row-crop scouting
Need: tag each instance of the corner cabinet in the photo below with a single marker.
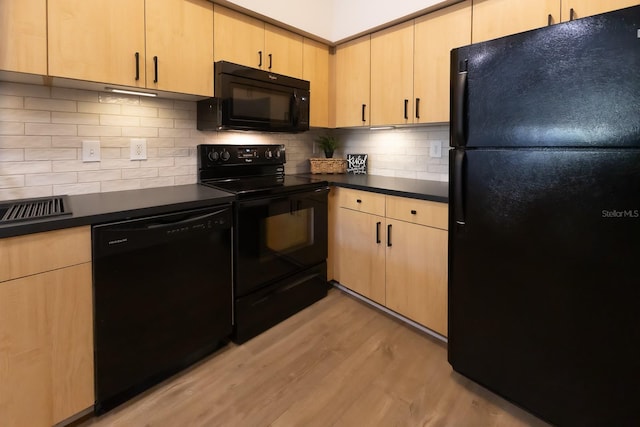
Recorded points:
(353, 82)
(155, 44)
(23, 31)
(393, 250)
(315, 68)
(46, 327)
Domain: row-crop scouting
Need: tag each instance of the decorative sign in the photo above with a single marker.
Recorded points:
(357, 164)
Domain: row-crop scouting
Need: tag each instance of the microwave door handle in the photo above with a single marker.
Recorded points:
(294, 108)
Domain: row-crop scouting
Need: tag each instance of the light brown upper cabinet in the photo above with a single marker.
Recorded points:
(498, 18)
(248, 41)
(100, 40)
(435, 35)
(104, 41)
(574, 9)
(23, 31)
(353, 82)
(180, 46)
(315, 68)
(392, 75)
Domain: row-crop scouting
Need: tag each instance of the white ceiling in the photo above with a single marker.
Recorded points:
(337, 20)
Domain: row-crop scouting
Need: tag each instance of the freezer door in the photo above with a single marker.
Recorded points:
(544, 251)
(575, 84)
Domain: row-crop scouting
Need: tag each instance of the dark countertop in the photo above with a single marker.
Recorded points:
(96, 208)
(435, 191)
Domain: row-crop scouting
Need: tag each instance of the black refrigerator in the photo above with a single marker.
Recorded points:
(544, 227)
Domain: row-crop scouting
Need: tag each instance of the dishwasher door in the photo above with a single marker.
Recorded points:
(162, 298)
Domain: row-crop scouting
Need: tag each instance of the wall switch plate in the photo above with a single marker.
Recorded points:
(138, 149)
(90, 151)
(436, 149)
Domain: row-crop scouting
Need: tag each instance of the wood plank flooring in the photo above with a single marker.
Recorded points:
(340, 362)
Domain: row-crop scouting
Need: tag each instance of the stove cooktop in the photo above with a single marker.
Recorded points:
(263, 185)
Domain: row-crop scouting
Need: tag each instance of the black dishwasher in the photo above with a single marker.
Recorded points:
(162, 298)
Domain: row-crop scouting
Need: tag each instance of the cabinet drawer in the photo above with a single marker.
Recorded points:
(363, 201)
(424, 212)
(35, 253)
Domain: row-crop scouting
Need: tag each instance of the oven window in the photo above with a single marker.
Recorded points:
(251, 102)
(288, 232)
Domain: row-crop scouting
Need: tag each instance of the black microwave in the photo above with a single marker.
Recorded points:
(251, 99)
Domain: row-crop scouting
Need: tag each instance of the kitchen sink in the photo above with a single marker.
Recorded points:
(28, 209)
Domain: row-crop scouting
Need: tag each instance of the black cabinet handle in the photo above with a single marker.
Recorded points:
(417, 108)
(137, 66)
(155, 66)
(358, 201)
(364, 106)
(389, 235)
(572, 14)
(406, 108)
(414, 212)
(378, 224)
(260, 58)
(270, 61)
(549, 20)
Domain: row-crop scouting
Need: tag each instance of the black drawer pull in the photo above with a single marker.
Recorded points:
(137, 65)
(389, 235)
(260, 58)
(155, 66)
(364, 106)
(378, 224)
(550, 20)
(358, 201)
(406, 109)
(572, 14)
(414, 212)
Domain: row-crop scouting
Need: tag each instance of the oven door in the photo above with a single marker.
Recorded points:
(279, 236)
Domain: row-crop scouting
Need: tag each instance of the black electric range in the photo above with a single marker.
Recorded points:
(280, 233)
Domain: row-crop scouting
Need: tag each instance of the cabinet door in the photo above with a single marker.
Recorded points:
(180, 46)
(574, 9)
(238, 38)
(315, 68)
(353, 77)
(497, 18)
(284, 51)
(360, 265)
(435, 35)
(392, 75)
(46, 346)
(97, 40)
(416, 274)
(23, 31)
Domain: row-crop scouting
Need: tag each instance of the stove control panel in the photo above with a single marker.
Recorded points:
(216, 155)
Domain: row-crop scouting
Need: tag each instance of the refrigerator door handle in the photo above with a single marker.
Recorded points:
(458, 103)
(458, 195)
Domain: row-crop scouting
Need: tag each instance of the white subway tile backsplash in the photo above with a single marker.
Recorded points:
(11, 181)
(50, 129)
(32, 180)
(24, 116)
(10, 101)
(100, 175)
(11, 128)
(50, 154)
(49, 104)
(84, 188)
(17, 168)
(42, 129)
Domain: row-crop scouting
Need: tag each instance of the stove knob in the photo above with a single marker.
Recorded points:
(268, 154)
(278, 153)
(213, 156)
(225, 155)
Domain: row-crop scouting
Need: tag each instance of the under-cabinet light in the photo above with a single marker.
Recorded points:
(129, 92)
(382, 128)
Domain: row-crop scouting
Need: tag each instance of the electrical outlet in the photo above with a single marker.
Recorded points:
(90, 151)
(436, 149)
(138, 149)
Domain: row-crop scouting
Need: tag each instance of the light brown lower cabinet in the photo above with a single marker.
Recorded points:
(393, 250)
(46, 335)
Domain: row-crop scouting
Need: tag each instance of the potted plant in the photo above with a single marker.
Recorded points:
(328, 143)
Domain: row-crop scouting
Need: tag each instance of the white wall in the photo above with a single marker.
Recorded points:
(335, 20)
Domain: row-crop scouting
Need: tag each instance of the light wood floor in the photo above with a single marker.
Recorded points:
(337, 363)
